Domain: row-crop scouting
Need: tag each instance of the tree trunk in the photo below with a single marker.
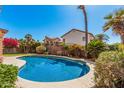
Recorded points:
(86, 29)
(122, 39)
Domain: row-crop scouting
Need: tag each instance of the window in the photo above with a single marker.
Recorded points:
(83, 38)
(63, 40)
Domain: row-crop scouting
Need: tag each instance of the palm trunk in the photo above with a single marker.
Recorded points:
(122, 39)
(86, 29)
(0, 8)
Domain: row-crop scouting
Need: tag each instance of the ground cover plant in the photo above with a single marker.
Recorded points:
(8, 76)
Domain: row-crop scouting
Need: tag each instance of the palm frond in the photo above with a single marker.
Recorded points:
(119, 13)
(110, 16)
(107, 25)
(81, 6)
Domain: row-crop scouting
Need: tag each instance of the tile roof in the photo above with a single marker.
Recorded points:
(76, 30)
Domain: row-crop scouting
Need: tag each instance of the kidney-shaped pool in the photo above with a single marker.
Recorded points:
(51, 69)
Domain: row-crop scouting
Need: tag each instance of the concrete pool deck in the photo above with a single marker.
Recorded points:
(85, 81)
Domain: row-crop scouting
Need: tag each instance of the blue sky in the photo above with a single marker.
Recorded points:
(53, 21)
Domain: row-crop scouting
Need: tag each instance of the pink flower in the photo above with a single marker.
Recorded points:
(10, 42)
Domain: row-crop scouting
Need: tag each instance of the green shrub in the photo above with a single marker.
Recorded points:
(109, 69)
(113, 47)
(121, 47)
(8, 75)
(75, 50)
(46, 53)
(40, 49)
(95, 47)
(65, 46)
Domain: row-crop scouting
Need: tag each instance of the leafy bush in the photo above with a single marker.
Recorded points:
(65, 46)
(95, 47)
(8, 75)
(40, 49)
(109, 69)
(113, 47)
(75, 50)
(116, 47)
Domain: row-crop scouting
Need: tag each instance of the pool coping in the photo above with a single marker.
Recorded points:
(85, 81)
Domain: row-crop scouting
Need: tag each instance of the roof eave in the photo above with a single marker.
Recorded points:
(75, 30)
(4, 30)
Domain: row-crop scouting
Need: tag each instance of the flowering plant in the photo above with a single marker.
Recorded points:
(10, 43)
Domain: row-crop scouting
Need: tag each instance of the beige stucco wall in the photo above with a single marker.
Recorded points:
(1, 45)
(1, 38)
(75, 37)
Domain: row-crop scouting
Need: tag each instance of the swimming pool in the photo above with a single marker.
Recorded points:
(51, 69)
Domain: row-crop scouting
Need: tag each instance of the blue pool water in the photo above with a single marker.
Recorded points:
(51, 69)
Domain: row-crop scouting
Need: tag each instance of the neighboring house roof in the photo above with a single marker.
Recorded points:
(75, 30)
(52, 39)
(3, 30)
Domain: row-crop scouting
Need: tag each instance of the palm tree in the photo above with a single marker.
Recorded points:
(115, 21)
(82, 7)
(22, 45)
(28, 37)
(102, 37)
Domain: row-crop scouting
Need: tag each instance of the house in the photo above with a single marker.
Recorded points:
(51, 41)
(76, 37)
(52, 45)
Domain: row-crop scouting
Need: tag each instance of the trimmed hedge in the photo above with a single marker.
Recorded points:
(8, 75)
(109, 70)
